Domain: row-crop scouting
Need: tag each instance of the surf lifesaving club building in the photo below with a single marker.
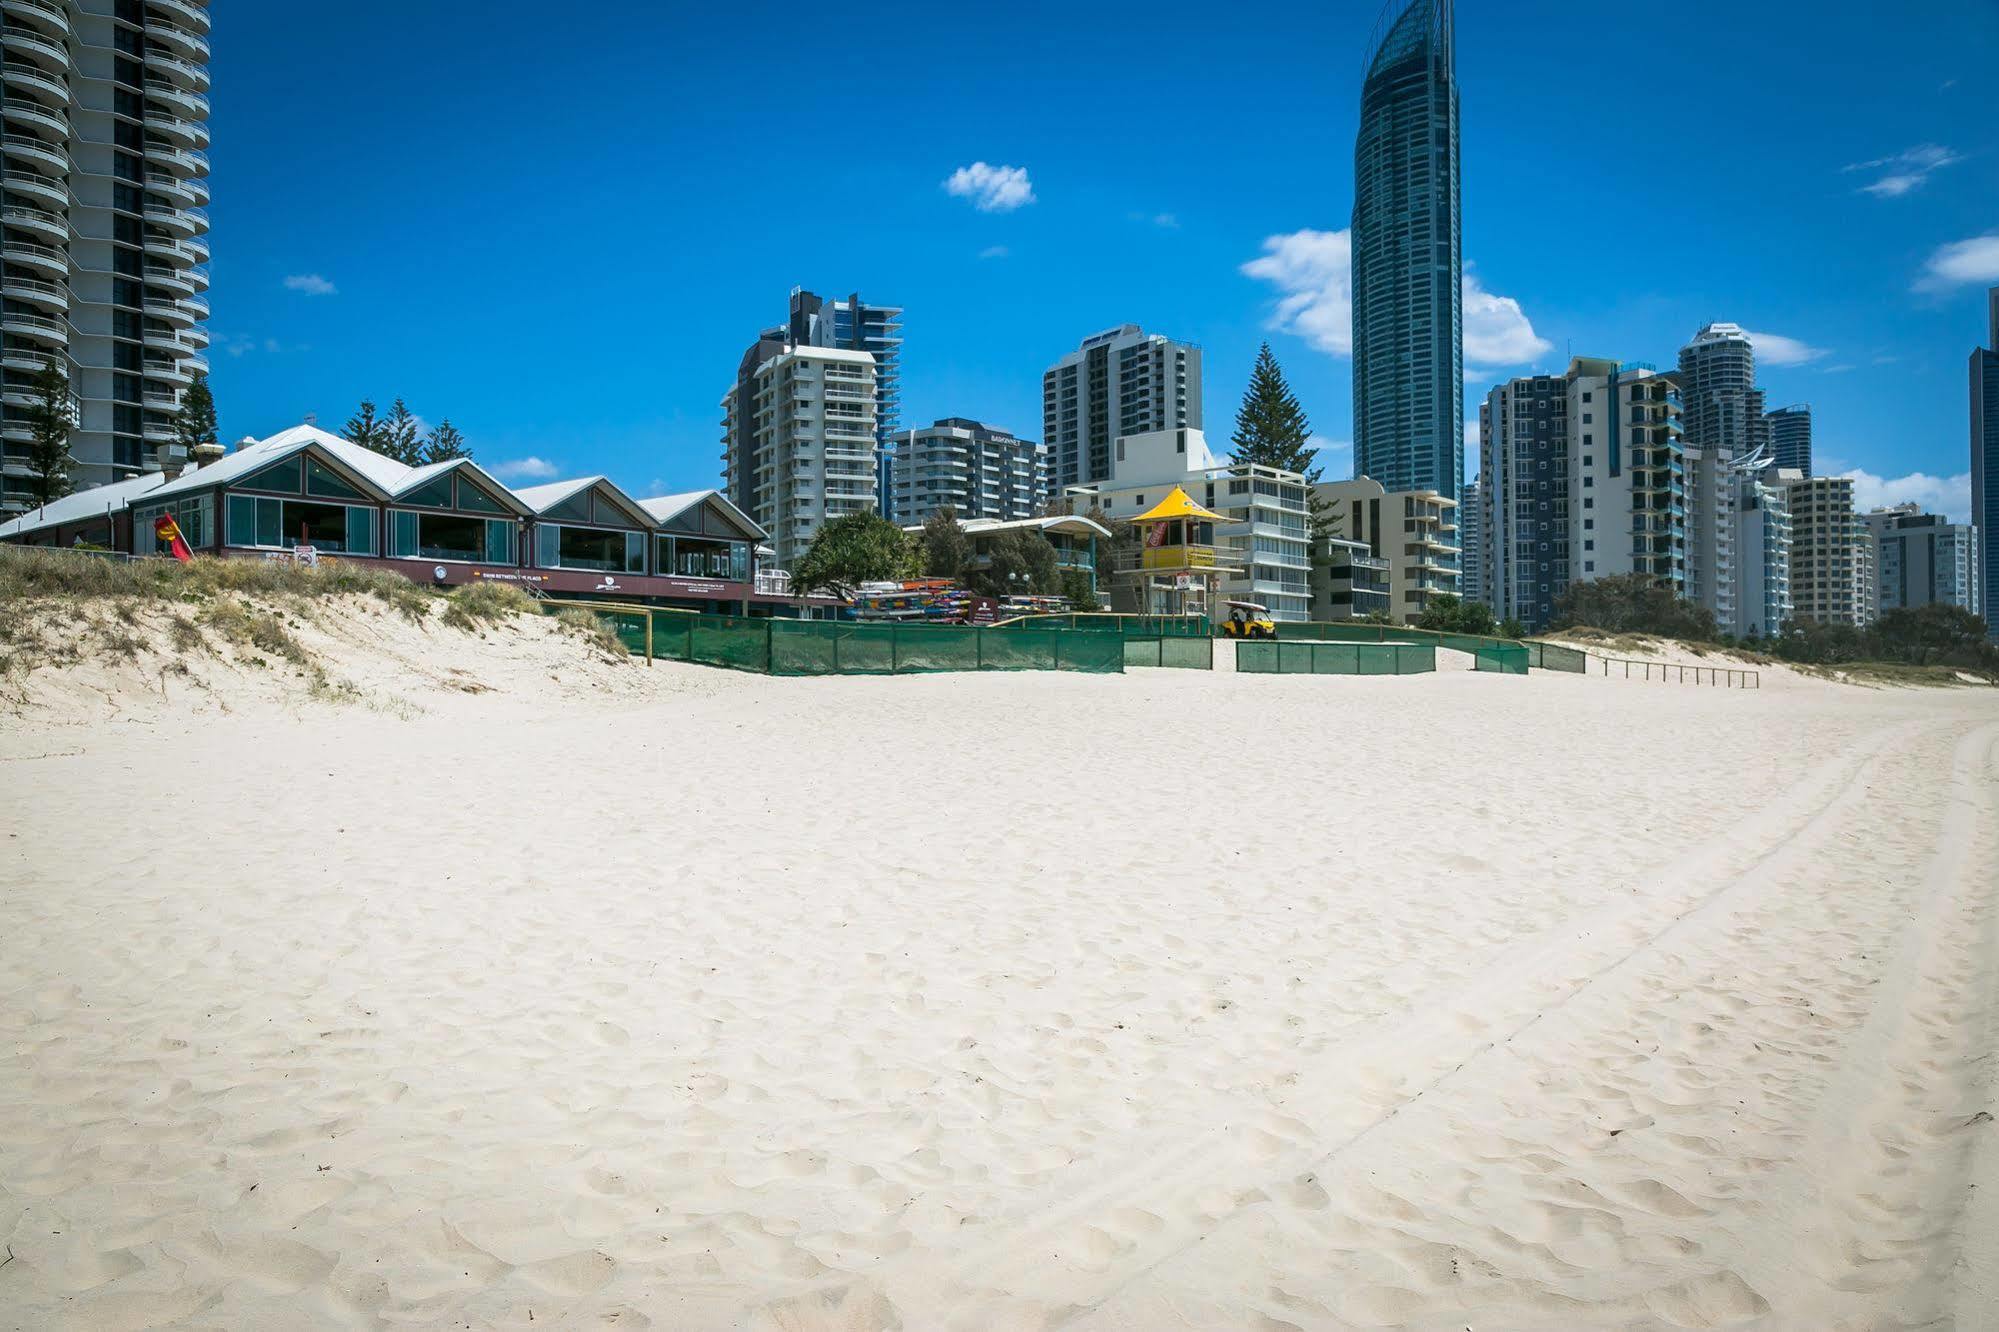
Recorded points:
(306, 492)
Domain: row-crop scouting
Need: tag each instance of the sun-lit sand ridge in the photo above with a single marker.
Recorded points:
(694, 1000)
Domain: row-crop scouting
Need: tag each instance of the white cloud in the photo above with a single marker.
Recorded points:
(524, 469)
(1776, 349)
(312, 284)
(992, 189)
(1961, 262)
(1906, 170)
(1497, 331)
(1166, 220)
(1314, 270)
(994, 252)
(1947, 495)
(1328, 449)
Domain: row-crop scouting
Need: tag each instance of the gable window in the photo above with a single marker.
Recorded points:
(432, 494)
(321, 480)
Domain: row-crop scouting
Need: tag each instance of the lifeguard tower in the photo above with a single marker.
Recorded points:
(1176, 567)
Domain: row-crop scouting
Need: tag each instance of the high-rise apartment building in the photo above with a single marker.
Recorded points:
(1789, 430)
(1471, 540)
(1922, 558)
(1832, 553)
(1985, 456)
(978, 471)
(1123, 381)
(857, 326)
(104, 262)
(1720, 403)
(1408, 260)
(1583, 478)
(798, 440)
(1763, 551)
(1523, 428)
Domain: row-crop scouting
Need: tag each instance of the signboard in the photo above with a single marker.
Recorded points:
(510, 576)
(306, 555)
(982, 610)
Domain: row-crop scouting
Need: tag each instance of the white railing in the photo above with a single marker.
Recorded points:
(29, 143)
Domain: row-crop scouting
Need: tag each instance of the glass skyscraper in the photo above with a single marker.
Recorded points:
(1985, 460)
(1408, 259)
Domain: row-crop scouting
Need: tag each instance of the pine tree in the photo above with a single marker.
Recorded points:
(51, 419)
(399, 436)
(194, 423)
(365, 429)
(1270, 426)
(946, 548)
(444, 442)
(1271, 431)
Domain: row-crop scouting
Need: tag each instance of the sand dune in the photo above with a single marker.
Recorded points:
(691, 1000)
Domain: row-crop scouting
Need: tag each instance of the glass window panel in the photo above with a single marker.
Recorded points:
(360, 530)
(635, 552)
(281, 478)
(446, 536)
(663, 555)
(270, 522)
(576, 508)
(321, 526)
(547, 546)
(320, 480)
(472, 498)
(402, 534)
(591, 548)
(241, 511)
(434, 493)
(499, 541)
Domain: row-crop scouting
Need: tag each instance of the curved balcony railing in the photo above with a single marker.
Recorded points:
(35, 219)
(14, 37)
(36, 150)
(42, 256)
(192, 77)
(170, 311)
(194, 16)
(21, 74)
(174, 279)
(34, 325)
(192, 103)
(46, 188)
(185, 133)
(196, 305)
(161, 401)
(50, 12)
(178, 38)
(36, 115)
(49, 295)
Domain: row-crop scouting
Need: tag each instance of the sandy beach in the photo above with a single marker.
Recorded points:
(606, 997)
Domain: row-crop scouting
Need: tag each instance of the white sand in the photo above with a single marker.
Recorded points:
(695, 1000)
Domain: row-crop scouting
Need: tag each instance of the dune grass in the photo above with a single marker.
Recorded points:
(31, 572)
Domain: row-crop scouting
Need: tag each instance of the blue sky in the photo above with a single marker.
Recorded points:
(560, 228)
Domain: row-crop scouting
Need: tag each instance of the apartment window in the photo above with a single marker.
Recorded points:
(1588, 460)
(1588, 481)
(1589, 545)
(1589, 566)
(1589, 503)
(1589, 524)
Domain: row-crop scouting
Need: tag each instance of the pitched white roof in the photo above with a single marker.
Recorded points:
(665, 508)
(84, 504)
(543, 498)
(385, 475)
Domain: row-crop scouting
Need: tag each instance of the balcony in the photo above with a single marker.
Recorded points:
(45, 189)
(164, 339)
(171, 311)
(178, 38)
(185, 133)
(49, 13)
(184, 162)
(171, 372)
(38, 153)
(46, 258)
(177, 280)
(40, 327)
(192, 77)
(47, 295)
(27, 112)
(161, 432)
(50, 225)
(162, 401)
(22, 75)
(21, 358)
(26, 41)
(190, 104)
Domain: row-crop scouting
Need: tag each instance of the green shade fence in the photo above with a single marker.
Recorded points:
(773, 646)
(1132, 626)
(1276, 657)
(1502, 658)
(1178, 653)
(1555, 657)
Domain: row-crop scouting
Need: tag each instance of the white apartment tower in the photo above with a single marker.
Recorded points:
(1123, 381)
(1763, 551)
(977, 470)
(104, 262)
(798, 440)
(1924, 558)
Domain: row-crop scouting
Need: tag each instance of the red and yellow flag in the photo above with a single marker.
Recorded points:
(167, 530)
